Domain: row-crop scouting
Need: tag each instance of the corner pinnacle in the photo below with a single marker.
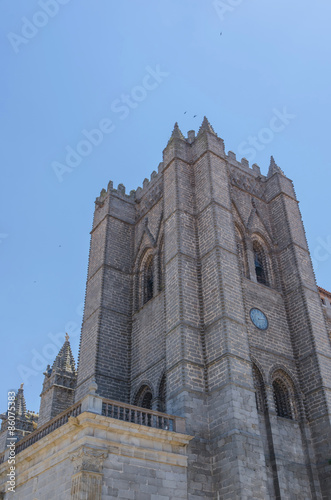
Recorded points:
(176, 134)
(205, 126)
(274, 168)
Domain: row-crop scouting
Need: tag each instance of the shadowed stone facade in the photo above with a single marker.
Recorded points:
(222, 239)
(201, 302)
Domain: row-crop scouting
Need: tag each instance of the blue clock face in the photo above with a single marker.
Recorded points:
(259, 319)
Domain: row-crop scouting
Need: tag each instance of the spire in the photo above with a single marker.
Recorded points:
(20, 403)
(176, 134)
(274, 168)
(64, 361)
(205, 126)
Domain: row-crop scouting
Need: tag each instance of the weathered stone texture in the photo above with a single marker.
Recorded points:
(175, 269)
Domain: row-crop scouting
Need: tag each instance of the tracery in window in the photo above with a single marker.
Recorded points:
(144, 398)
(282, 399)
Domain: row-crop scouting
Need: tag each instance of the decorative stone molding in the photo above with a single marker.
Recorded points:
(88, 459)
(86, 482)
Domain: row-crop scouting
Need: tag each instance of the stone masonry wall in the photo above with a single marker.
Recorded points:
(197, 327)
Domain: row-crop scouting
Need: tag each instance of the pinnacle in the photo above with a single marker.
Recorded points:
(20, 402)
(274, 168)
(64, 361)
(176, 133)
(205, 126)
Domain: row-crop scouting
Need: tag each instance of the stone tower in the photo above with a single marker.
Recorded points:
(59, 385)
(201, 301)
(25, 421)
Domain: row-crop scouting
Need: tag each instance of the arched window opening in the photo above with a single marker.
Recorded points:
(260, 394)
(260, 264)
(144, 398)
(148, 280)
(282, 399)
(162, 395)
(147, 401)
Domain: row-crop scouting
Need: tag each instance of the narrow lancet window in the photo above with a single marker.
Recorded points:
(260, 264)
(282, 399)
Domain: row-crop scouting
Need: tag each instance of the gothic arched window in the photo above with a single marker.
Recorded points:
(260, 263)
(282, 399)
(149, 279)
(147, 401)
(144, 398)
(260, 395)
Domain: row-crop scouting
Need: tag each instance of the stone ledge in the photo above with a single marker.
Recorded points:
(101, 433)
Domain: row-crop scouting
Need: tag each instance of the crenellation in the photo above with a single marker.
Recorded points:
(256, 169)
(244, 163)
(232, 157)
(121, 189)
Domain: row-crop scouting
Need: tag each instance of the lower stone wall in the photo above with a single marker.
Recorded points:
(99, 458)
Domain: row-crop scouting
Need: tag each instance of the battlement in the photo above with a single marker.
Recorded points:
(244, 165)
(136, 195)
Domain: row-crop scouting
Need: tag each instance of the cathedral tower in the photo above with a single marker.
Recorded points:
(201, 301)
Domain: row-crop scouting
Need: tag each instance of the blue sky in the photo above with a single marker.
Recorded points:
(131, 70)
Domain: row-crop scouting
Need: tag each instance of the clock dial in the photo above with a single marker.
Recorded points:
(259, 319)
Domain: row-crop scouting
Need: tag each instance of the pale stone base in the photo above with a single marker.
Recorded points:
(93, 457)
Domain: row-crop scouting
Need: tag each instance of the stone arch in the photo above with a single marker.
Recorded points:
(262, 260)
(144, 259)
(285, 395)
(144, 397)
(148, 279)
